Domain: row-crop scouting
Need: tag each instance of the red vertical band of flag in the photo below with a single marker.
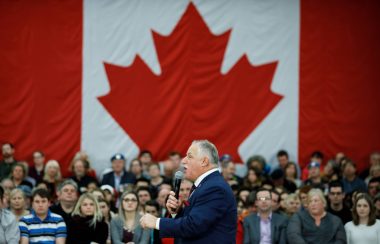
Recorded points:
(339, 81)
(40, 77)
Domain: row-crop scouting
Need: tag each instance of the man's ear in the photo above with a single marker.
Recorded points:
(205, 162)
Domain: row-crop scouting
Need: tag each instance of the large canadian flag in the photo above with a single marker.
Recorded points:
(251, 76)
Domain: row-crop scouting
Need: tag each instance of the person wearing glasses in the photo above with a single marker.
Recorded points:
(336, 202)
(87, 224)
(125, 228)
(264, 226)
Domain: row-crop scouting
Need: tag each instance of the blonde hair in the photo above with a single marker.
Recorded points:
(13, 193)
(97, 213)
(55, 164)
(317, 192)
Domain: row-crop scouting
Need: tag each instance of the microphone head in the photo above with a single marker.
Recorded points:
(178, 175)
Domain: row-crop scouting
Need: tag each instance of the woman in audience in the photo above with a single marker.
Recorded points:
(315, 225)
(18, 203)
(126, 226)
(9, 230)
(252, 180)
(107, 214)
(87, 224)
(52, 177)
(291, 173)
(364, 228)
(18, 174)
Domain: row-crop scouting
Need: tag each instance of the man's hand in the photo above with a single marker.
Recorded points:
(173, 204)
(148, 221)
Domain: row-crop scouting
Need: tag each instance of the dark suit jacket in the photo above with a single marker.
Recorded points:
(210, 217)
(252, 229)
(127, 178)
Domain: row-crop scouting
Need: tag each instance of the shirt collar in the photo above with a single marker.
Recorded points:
(269, 216)
(35, 215)
(204, 175)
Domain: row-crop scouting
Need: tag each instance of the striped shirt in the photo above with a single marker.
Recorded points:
(42, 231)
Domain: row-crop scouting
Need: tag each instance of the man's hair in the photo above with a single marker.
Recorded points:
(317, 154)
(43, 193)
(374, 180)
(8, 143)
(153, 203)
(40, 152)
(262, 190)
(208, 149)
(282, 153)
(145, 152)
(336, 183)
(67, 182)
(174, 153)
(143, 188)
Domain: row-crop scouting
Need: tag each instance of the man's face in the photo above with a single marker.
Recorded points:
(229, 170)
(79, 169)
(40, 205)
(314, 172)
(144, 196)
(283, 160)
(68, 193)
(349, 170)
(176, 159)
(18, 173)
(184, 189)
(263, 201)
(336, 195)
(372, 188)
(7, 151)
(162, 195)
(38, 159)
(151, 210)
(118, 165)
(192, 163)
(275, 201)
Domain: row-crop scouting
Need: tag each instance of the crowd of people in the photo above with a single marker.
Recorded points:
(327, 201)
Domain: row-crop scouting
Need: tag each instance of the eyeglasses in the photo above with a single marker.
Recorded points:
(263, 198)
(130, 200)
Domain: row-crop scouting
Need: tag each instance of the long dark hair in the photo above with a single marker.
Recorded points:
(372, 210)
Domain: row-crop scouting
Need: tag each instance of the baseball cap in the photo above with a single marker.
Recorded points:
(314, 164)
(108, 188)
(225, 157)
(118, 156)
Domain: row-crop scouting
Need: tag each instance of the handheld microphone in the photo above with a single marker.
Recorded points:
(177, 182)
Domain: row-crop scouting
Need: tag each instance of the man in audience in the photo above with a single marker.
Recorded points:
(42, 226)
(336, 202)
(315, 178)
(80, 169)
(317, 157)
(265, 226)
(275, 201)
(118, 177)
(350, 181)
(67, 196)
(144, 195)
(229, 170)
(37, 170)
(374, 186)
(8, 161)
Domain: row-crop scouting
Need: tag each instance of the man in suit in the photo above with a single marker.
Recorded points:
(118, 177)
(210, 214)
(264, 226)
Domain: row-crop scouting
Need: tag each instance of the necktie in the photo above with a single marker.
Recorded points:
(192, 189)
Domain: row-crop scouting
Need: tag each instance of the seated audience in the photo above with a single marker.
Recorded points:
(38, 167)
(80, 169)
(336, 204)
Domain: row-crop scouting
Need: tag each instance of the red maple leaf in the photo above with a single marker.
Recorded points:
(190, 99)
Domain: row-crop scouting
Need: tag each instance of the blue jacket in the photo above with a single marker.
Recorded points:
(210, 217)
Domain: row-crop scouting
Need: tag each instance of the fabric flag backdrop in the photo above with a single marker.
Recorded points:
(251, 76)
